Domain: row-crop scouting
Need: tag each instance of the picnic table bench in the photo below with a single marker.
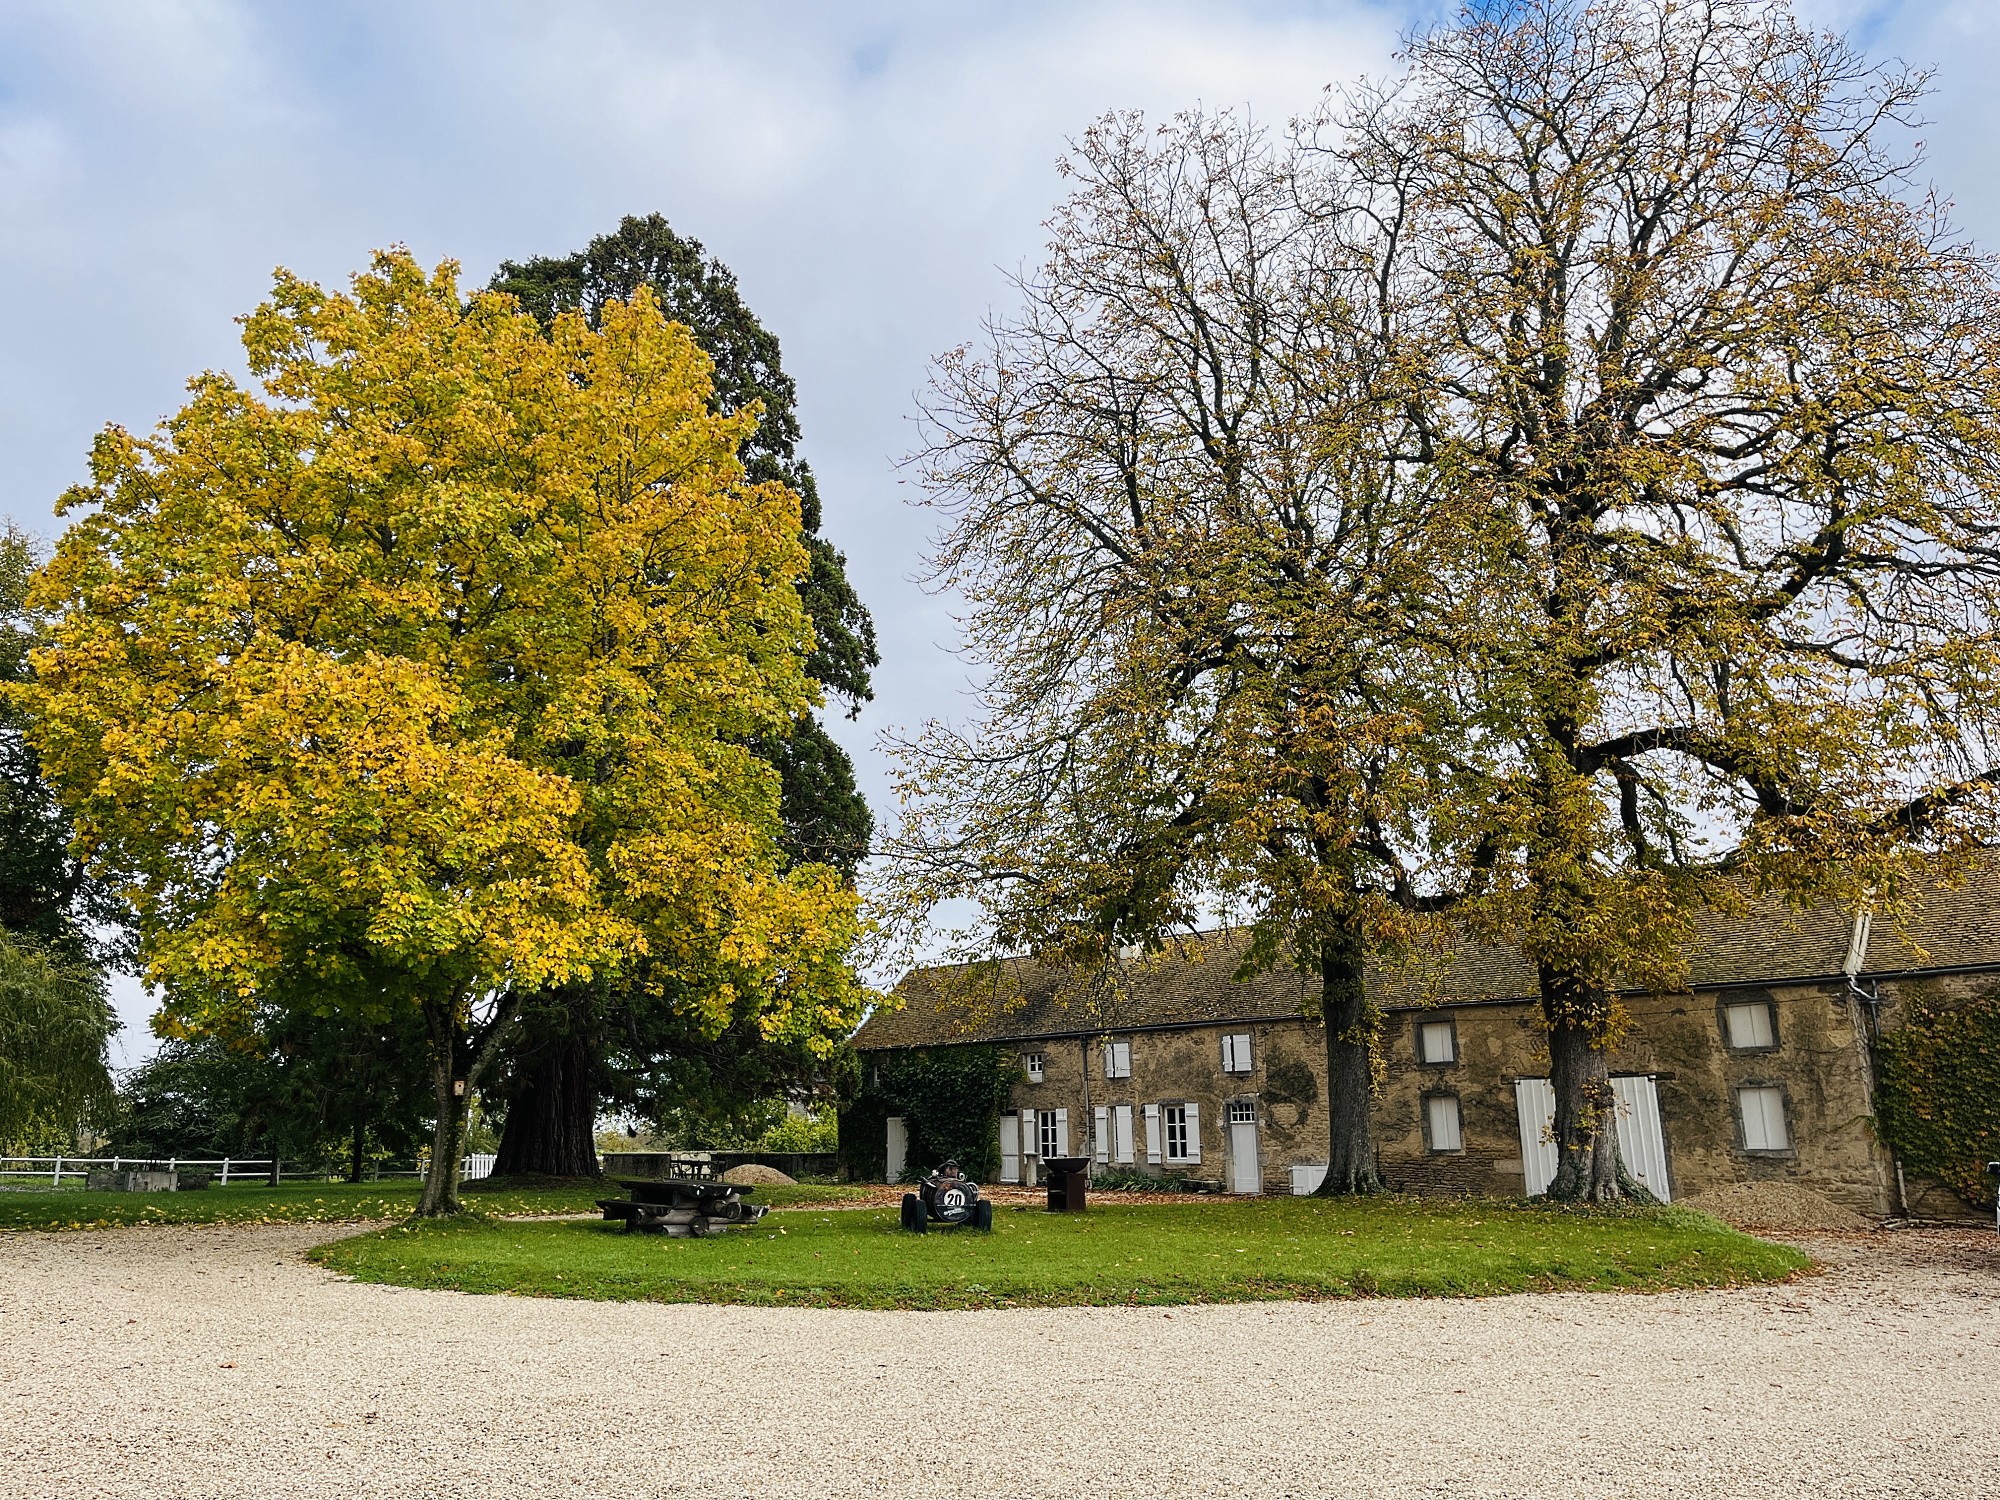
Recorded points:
(682, 1206)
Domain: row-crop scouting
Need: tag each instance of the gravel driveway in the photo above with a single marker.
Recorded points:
(215, 1362)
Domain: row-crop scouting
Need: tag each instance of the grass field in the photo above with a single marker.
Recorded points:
(1117, 1254)
(322, 1202)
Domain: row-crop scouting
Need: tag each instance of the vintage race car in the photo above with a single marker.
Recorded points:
(947, 1199)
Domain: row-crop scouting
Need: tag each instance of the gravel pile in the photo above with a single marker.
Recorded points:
(1781, 1207)
(214, 1362)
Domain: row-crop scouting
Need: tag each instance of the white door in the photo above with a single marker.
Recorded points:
(899, 1149)
(1244, 1174)
(1641, 1143)
(1535, 1103)
(1010, 1148)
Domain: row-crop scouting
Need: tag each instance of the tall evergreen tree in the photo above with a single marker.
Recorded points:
(564, 1065)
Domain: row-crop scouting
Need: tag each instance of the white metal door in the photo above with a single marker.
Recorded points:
(1535, 1103)
(1010, 1148)
(1244, 1176)
(899, 1148)
(1642, 1145)
(1641, 1142)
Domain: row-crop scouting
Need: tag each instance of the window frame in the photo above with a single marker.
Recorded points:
(1450, 1023)
(1169, 1124)
(1726, 1001)
(1771, 1086)
(1035, 1066)
(1425, 1100)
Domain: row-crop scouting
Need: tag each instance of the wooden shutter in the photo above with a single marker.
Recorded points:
(1062, 1132)
(1194, 1131)
(1153, 1134)
(1100, 1135)
(1010, 1148)
(1121, 1132)
(1031, 1134)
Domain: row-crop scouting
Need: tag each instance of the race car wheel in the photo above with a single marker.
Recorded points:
(916, 1218)
(982, 1216)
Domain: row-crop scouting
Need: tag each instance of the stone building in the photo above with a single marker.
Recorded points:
(1759, 1073)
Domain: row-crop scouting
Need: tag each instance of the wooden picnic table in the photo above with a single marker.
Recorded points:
(682, 1206)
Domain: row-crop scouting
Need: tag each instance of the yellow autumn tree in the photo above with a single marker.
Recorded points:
(422, 676)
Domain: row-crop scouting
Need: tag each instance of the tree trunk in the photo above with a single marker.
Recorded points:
(1588, 1169)
(450, 1093)
(1350, 1075)
(551, 1128)
(354, 1160)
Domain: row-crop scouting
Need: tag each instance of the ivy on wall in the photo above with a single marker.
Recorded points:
(1938, 1097)
(950, 1100)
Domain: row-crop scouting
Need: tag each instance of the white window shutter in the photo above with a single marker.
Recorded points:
(1153, 1134)
(1100, 1135)
(1194, 1131)
(1121, 1128)
(1062, 1132)
(1228, 1053)
(1110, 1060)
(1031, 1136)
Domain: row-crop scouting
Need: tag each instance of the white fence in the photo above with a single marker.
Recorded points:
(56, 1168)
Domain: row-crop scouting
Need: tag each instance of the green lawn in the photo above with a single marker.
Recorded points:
(321, 1202)
(1116, 1254)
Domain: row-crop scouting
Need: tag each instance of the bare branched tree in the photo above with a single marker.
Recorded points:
(1669, 309)
(1198, 590)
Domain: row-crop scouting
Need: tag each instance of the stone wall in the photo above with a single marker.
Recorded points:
(1284, 1087)
(1818, 1060)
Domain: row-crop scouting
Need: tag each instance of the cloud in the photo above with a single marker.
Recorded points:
(870, 170)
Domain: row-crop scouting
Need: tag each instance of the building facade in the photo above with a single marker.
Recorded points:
(1760, 1072)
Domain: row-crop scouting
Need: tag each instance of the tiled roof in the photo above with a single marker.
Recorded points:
(1194, 984)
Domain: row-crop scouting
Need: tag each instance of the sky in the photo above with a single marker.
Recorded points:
(871, 171)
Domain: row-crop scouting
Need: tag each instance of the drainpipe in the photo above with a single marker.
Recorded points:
(1867, 1028)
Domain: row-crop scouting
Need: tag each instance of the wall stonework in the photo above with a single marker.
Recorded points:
(1819, 1060)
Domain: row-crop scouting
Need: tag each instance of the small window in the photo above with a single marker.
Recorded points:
(1031, 1064)
(1437, 1042)
(1441, 1122)
(1242, 1111)
(1747, 1026)
(1236, 1052)
(1762, 1107)
(1117, 1059)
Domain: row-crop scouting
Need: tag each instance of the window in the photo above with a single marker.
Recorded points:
(1183, 1130)
(1441, 1123)
(1437, 1042)
(1031, 1064)
(1117, 1059)
(1242, 1111)
(1762, 1107)
(1236, 1052)
(1748, 1026)
(1051, 1123)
